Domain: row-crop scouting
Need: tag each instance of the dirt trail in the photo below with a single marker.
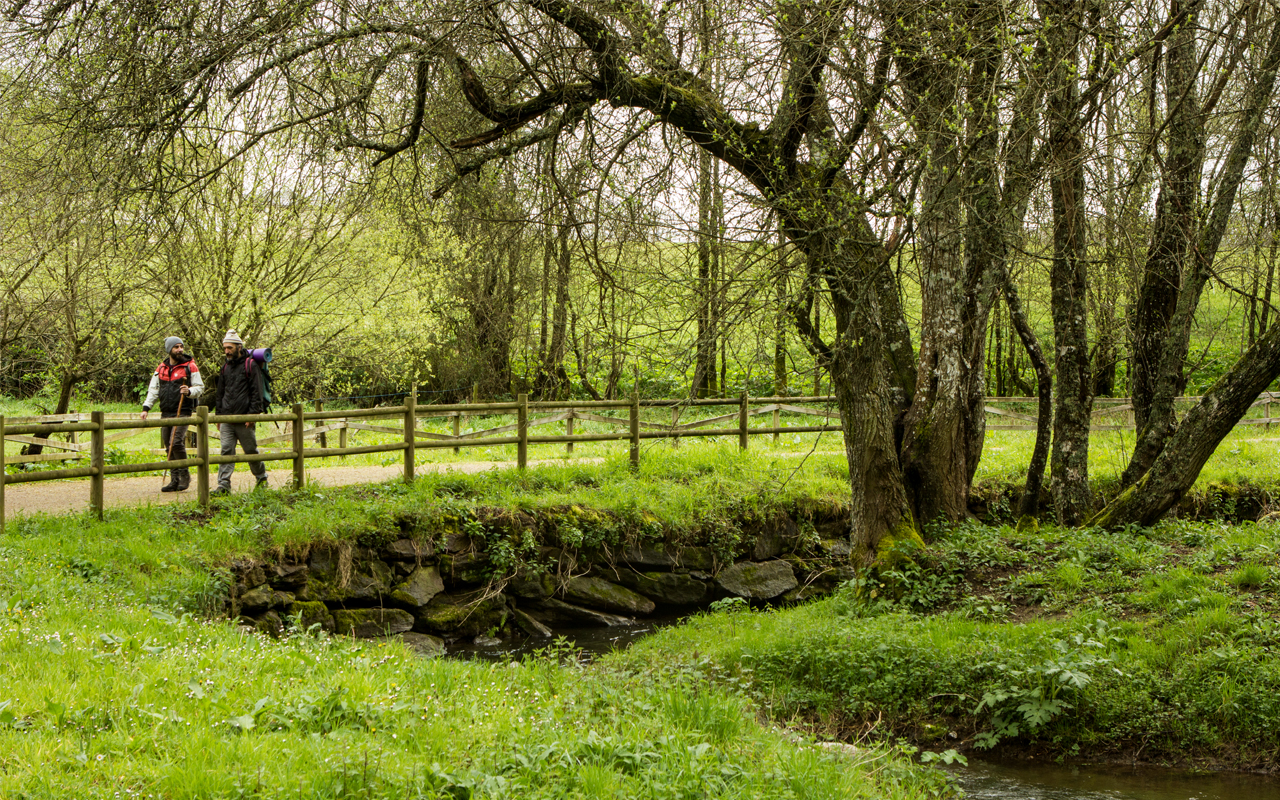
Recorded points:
(64, 497)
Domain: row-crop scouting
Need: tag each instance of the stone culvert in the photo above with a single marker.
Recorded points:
(434, 588)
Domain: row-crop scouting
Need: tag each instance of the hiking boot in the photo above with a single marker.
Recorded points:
(171, 486)
(261, 483)
(184, 483)
(220, 491)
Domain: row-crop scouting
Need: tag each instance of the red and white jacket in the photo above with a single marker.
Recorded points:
(166, 386)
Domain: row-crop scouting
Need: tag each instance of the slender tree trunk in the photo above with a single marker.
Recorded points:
(935, 456)
(1069, 459)
(1029, 505)
(880, 510)
(780, 329)
(553, 379)
(1175, 217)
(705, 351)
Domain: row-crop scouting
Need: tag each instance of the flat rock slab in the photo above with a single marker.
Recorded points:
(599, 593)
(758, 581)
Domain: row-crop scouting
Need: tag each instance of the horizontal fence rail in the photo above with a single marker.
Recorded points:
(1007, 413)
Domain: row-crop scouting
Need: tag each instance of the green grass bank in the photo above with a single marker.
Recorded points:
(121, 680)
(1154, 646)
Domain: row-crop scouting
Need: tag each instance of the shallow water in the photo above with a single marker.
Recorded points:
(983, 780)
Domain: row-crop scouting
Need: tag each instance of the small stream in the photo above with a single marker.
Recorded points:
(980, 780)
(986, 780)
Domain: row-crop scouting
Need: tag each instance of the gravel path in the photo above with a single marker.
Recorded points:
(63, 497)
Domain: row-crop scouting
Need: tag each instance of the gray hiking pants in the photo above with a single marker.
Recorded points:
(247, 436)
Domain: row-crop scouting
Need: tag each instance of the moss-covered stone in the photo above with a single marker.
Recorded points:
(311, 613)
(370, 580)
(462, 614)
(424, 644)
(269, 624)
(422, 584)
(464, 568)
(532, 584)
(367, 623)
(263, 597)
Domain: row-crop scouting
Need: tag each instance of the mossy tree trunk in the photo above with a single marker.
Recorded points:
(1176, 468)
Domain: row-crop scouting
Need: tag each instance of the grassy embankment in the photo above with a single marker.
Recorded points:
(1156, 644)
(119, 681)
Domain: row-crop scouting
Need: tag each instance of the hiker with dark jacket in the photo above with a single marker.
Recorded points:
(240, 391)
(177, 385)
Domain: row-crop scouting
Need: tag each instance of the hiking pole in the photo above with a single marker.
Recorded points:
(168, 453)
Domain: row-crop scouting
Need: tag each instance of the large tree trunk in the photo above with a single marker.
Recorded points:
(848, 261)
(935, 455)
(1069, 460)
(938, 455)
(1176, 468)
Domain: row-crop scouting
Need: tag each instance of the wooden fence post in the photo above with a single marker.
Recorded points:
(3, 474)
(97, 460)
(202, 452)
(299, 423)
(324, 437)
(522, 430)
(457, 429)
(635, 431)
(410, 425)
(675, 420)
(777, 422)
(742, 421)
(568, 431)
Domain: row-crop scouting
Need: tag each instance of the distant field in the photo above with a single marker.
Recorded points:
(1250, 453)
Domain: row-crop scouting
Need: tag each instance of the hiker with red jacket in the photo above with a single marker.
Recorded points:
(240, 391)
(177, 385)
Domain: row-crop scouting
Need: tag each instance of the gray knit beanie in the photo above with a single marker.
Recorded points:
(232, 338)
(172, 342)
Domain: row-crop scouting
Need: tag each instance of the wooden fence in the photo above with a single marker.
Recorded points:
(103, 429)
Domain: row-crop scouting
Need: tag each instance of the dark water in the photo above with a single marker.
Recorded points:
(1030, 781)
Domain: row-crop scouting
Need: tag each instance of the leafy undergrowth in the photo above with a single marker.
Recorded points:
(1158, 645)
(119, 682)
